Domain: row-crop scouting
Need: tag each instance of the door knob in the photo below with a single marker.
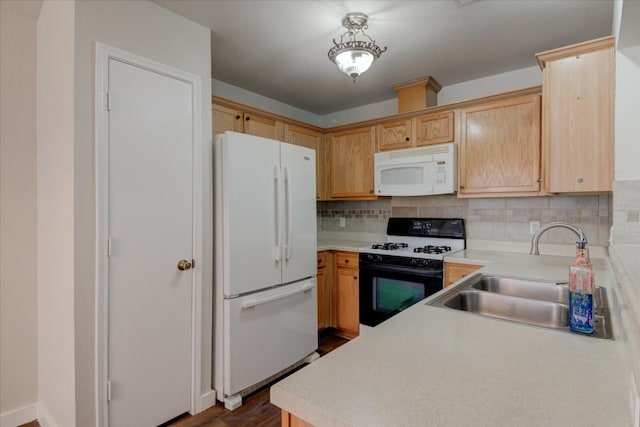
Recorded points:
(183, 264)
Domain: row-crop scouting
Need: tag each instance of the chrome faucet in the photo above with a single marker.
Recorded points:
(534, 241)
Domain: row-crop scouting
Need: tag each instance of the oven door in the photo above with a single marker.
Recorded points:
(387, 290)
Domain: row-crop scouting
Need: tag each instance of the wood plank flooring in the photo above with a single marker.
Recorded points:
(256, 410)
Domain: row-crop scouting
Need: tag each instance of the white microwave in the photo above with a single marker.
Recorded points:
(416, 171)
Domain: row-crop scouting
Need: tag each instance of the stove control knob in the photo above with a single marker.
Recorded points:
(378, 257)
(414, 262)
(369, 257)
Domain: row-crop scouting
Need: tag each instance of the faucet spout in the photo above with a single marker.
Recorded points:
(536, 237)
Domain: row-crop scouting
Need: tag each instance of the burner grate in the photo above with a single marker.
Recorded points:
(431, 249)
(389, 246)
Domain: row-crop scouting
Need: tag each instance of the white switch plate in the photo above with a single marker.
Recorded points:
(343, 222)
(533, 227)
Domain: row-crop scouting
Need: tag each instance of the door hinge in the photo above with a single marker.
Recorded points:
(108, 101)
(108, 391)
(109, 246)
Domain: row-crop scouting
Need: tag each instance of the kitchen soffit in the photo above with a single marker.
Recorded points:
(278, 49)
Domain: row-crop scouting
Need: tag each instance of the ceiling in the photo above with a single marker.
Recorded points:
(278, 48)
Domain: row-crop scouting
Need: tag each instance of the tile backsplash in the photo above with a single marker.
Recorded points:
(499, 219)
(626, 212)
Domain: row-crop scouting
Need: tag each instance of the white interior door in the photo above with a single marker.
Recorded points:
(150, 227)
(300, 232)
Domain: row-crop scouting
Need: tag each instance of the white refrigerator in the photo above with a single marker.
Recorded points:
(265, 252)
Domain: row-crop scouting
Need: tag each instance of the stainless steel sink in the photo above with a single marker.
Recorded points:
(539, 290)
(530, 302)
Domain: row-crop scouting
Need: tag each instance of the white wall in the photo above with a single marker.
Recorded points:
(358, 114)
(56, 276)
(627, 111)
(148, 30)
(18, 280)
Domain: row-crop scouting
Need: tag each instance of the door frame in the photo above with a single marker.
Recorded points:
(105, 53)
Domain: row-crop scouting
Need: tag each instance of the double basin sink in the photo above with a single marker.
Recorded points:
(537, 303)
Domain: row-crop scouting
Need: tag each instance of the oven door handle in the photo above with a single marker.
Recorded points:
(398, 269)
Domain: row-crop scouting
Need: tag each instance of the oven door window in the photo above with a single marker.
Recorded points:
(386, 291)
(392, 296)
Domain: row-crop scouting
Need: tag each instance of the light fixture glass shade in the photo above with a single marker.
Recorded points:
(353, 57)
(354, 62)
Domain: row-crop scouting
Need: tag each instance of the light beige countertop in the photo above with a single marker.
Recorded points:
(433, 366)
(342, 245)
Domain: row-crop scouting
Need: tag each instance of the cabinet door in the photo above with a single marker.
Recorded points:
(454, 271)
(323, 294)
(225, 119)
(309, 138)
(350, 162)
(394, 135)
(347, 300)
(579, 115)
(434, 129)
(500, 147)
(257, 125)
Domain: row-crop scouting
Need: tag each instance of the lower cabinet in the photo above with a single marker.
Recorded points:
(324, 294)
(454, 271)
(290, 420)
(339, 292)
(347, 294)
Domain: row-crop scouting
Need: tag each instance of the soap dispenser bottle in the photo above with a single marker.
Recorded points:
(581, 284)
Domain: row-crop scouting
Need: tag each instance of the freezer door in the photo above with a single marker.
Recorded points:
(267, 332)
(249, 227)
(300, 232)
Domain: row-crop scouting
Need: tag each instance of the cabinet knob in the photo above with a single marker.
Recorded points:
(238, 117)
(580, 180)
(247, 118)
(462, 186)
(346, 261)
(355, 277)
(407, 139)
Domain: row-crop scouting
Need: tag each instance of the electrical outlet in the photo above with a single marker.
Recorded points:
(343, 222)
(533, 227)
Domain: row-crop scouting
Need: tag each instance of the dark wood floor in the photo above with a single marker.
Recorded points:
(256, 410)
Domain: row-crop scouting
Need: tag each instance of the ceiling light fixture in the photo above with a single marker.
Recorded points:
(354, 57)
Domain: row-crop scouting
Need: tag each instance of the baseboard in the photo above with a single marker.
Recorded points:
(19, 416)
(44, 417)
(208, 399)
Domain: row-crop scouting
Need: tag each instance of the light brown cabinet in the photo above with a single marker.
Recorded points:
(455, 271)
(578, 88)
(437, 128)
(434, 128)
(226, 118)
(287, 419)
(347, 294)
(500, 148)
(350, 163)
(313, 139)
(324, 294)
(394, 135)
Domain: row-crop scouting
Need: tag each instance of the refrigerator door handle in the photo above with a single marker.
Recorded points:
(258, 301)
(277, 237)
(289, 214)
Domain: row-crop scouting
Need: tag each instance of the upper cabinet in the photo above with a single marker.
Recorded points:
(428, 129)
(234, 119)
(577, 129)
(350, 163)
(310, 138)
(500, 148)
(434, 128)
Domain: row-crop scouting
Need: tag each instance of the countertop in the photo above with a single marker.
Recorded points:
(433, 366)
